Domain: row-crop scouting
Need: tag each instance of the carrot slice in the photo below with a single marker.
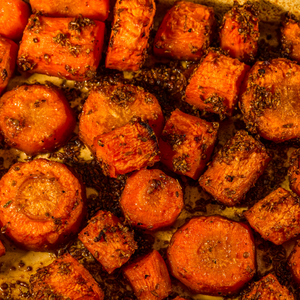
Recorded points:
(113, 106)
(130, 31)
(42, 204)
(149, 277)
(65, 278)
(185, 32)
(239, 32)
(36, 118)
(93, 9)
(151, 199)
(65, 47)
(294, 172)
(108, 240)
(276, 217)
(2, 249)
(212, 255)
(294, 262)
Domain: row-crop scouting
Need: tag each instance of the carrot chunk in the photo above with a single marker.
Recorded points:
(14, 15)
(36, 118)
(65, 47)
(149, 277)
(276, 217)
(151, 199)
(294, 262)
(2, 249)
(128, 148)
(108, 240)
(269, 101)
(42, 204)
(239, 31)
(65, 278)
(215, 84)
(212, 255)
(185, 32)
(93, 9)
(294, 172)
(187, 143)
(130, 31)
(270, 289)
(235, 169)
(113, 106)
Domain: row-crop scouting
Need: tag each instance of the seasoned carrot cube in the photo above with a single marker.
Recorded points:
(113, 106)
(235, 169)
(294, 262)
(2, 249)
(239, 32)
(108, 240)
(93, 9)
(185, 32)
(149, 277)
(65, 47)
(187, 143)
(268, 288)
(276, 217)
(215, 84)
(128, 42)
(294, 172)
(65, 278)
(128, 148)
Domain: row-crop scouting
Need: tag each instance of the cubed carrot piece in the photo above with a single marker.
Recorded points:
(239, 31)
(128, 148)
(187, 143)
(8, 57)
(149, 277)
(111, 243)
(14, 16)
(2, 249)
(215, 84)
(185, 32)
(130, 31)
(235, 169)
(65, 278)
(294, 262)
(65, 47)
(92, 9)
(276, 217)
(294, 172)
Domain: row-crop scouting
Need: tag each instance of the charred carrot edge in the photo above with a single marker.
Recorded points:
(2, 249)
(42, 204)
(294, 262)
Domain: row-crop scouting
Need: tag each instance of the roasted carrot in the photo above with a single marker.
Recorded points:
(65, 47)
(215, 84)
(149, 277)
(294, 262)
(269, 100)
(187, 143)
(130, 31)
(185, 32)
(239, 32)
(113, 106)
(2, 249)
(151, 199)
(111, 243)
(294, 172)
(65, 278)
(235, 169)
(179, 298)
(42, 204)
(276, 217)
(93, 9)
(36, 118)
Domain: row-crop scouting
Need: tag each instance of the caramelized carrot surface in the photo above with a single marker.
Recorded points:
(151, 199)
(36, 118)
(128, 42)
(113, 106)
(42, 204)
(185, 32)
(64, 47)
(108, 240)
(294, 172)
(215, 84)
(149, 277)
(65, 278)
(2, 249)
(212, 255)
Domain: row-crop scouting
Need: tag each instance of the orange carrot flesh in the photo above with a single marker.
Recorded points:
(151, 199)
(294, 262)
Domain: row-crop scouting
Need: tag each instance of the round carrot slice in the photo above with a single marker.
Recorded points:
(42, 204)
(151, 199)
(36, 118)
(212, 255)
